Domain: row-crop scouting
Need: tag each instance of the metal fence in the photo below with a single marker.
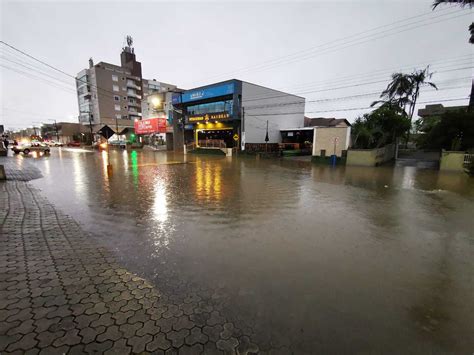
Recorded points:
(468, 159)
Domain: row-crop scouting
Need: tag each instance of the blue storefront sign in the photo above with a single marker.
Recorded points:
(205, 93)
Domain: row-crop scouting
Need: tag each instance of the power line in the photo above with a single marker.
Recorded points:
(323, 90)
(382, 72)
(298, 54)
(348, 109)
(56, 69)
(38, 71)
(31, 76)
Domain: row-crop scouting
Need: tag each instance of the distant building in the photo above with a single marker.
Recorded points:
(112, 95)
(327, 136)
(436, 110)
(64, 132)
(326, 122)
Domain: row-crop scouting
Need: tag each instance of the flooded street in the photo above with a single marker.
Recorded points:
(317, 259)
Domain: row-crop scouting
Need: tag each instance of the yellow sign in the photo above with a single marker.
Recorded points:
(210, 116)
(236, 137)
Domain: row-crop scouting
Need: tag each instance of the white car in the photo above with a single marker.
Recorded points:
(55, 144)
(31, 147)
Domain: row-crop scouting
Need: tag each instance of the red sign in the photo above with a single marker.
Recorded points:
(150, 125)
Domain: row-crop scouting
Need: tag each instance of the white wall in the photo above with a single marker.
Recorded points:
(282, 111)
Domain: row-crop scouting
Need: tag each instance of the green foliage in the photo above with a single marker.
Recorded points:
(404, 89)
(452, 131)
(380, 127)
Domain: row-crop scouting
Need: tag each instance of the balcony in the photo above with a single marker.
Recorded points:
(134, 94)
(133, 85)
(134, 104)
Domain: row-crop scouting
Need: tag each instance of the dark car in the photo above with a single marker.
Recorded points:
(74, 144)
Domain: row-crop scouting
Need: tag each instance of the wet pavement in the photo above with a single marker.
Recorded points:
(299, 258)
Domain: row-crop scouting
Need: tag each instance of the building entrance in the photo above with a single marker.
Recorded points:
(216, 134)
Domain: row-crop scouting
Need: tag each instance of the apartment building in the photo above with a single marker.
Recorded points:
(109, 94)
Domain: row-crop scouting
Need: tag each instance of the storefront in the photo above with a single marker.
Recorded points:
(217, 115)
(212, 113)
(151, 131)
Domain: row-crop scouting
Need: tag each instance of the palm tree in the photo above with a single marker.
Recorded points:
(462, 3)
(397, 92)
(418, 79)
(404, 90)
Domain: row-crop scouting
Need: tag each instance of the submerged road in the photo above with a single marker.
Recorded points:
(273, 255)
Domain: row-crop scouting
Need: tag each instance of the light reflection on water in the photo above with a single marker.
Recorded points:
(308, 251)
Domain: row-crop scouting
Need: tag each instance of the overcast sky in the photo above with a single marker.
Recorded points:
(307, 48)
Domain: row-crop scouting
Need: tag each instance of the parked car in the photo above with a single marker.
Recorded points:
(122, 144)
(31, 147)
(74, 144)
(55, 144)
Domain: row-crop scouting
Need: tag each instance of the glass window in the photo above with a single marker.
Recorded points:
(212, 107)
(117, 107)
(114, 78)
(115, 88)
(118, 116)
(117, 98)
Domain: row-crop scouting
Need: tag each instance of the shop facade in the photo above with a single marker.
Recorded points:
(233, 114)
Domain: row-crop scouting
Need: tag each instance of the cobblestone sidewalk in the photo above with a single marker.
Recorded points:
(60, 292)
(18, 168)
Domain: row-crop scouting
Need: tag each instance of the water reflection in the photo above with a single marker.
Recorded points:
(208, 182)
(326, 258)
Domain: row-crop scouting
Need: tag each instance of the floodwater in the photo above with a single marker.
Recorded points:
(313, 259)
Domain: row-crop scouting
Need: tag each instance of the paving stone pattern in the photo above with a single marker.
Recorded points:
(62, 292)
(18, 168)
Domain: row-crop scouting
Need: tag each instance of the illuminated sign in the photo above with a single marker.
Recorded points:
(204, 93)
(210, 116)
(150, 125)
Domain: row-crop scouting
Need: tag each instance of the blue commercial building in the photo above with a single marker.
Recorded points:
(235, 113)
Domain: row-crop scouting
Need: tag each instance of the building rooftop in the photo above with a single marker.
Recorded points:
(325, 122)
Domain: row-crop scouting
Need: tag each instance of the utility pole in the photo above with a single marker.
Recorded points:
(56, 129)
(242, 134)
(266, 140)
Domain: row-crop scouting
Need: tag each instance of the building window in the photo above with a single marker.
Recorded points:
(114, 78)
(117, 98)
(118, 116)
(117, 107)
(115, 88)
(125, 117)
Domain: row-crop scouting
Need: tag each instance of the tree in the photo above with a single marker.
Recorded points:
(452, 131)
(380, 127)
(404, 89)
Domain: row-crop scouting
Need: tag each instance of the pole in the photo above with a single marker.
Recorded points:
(56, 128)
(116, 128)
(242, 133)
(266, 140)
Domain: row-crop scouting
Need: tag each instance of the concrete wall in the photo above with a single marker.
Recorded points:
(370, 157)
(324, 137)
(282, 111)
(452, 161)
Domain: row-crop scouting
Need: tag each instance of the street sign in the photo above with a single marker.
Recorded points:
(236, 137)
